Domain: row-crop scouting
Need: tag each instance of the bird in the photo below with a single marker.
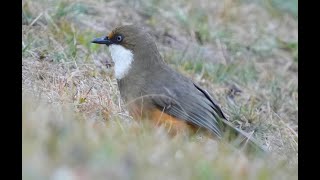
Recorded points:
(154, 91)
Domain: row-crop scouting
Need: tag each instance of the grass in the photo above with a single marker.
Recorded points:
(74, 123)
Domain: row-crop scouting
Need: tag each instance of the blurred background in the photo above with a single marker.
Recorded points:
(244, 52)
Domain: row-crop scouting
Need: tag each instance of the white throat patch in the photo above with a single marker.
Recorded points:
(122, 59)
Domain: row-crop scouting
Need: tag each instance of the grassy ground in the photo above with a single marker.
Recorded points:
(76, 127)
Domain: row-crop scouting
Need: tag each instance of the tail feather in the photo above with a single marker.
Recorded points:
(243, 139)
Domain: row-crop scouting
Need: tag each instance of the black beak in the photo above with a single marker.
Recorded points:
(102, 40)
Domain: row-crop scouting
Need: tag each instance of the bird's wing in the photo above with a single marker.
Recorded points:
(199, 108)
(195, 108)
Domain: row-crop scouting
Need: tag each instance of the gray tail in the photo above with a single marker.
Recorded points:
(243, 140)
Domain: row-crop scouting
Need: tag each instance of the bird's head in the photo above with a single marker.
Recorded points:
(126, 44)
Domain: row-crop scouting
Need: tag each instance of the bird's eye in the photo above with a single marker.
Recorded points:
(119, 38)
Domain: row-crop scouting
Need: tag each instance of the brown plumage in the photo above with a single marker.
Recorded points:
(152, 90)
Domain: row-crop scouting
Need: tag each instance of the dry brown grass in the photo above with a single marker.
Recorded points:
(74, 121)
